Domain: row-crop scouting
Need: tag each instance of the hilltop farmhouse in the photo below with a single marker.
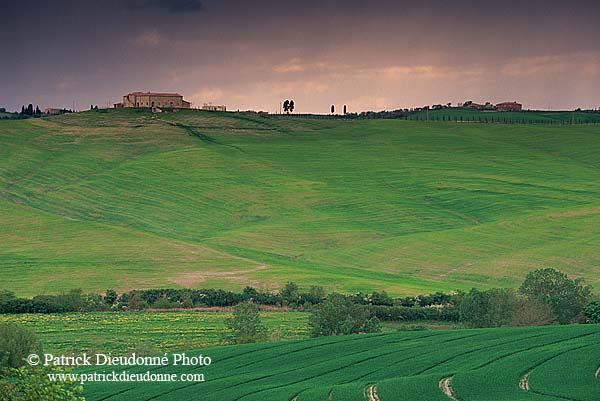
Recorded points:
(509, 106)
(504, 106)
(153, 99)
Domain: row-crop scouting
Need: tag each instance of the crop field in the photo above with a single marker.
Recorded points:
(125, 199)
(512, 364)
(147, 333)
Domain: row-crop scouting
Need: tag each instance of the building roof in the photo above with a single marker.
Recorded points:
(154, 94)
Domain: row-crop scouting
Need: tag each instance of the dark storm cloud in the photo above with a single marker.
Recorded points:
(172, 6)
(250, 54)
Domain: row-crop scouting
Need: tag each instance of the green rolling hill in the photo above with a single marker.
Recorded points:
(126, 199)
(512, 364)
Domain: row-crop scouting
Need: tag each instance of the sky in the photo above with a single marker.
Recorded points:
(253, 54)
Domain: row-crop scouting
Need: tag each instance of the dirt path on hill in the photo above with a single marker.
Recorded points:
(446, 386)
(524, 382)
(190, 279)
(597, 372)
(457, 269)
(371, 394)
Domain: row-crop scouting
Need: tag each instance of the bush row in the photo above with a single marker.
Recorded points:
(169, 298)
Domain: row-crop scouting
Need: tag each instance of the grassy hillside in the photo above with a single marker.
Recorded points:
(126, 199)
(543, 363)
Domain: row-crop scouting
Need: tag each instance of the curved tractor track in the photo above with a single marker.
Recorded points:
(371, 393)
(445, 385)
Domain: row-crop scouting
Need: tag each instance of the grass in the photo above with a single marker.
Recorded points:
(483, 365)
(146, 333)
(126, 199)
(169, 331)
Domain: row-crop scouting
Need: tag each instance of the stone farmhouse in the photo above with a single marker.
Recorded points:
(153, 99)
(509, 106)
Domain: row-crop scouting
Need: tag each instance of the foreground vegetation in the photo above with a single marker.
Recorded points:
(125, 199)
(509, 364)
(145, 332)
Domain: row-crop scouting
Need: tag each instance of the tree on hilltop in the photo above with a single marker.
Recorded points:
(291, 106)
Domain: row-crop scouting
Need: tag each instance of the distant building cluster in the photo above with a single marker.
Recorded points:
(504, 106)
(153, 99)
(213, 107)
(509, 106)
(51, 111)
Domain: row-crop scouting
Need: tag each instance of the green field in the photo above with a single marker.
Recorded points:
(126, 199)
(147, 333)
(529, 364)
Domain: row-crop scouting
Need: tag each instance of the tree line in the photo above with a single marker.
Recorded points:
(546, 296)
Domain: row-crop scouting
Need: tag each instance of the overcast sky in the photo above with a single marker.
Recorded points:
(370, 55)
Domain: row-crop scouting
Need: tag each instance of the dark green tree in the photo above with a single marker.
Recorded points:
(290, 294)
(565, 297)
(29, 383)
(491, 308)
(592, 312)
(338, 315)
(111, 297)
(16, 343)
(245, 325)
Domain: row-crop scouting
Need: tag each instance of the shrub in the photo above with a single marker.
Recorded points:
(492, 308)
(338, 315)
(22, 305)
(532, 312)
(163, 303)
(6, 296)
(245, 325)
(415, 313)
(290, 294)
(32, 384)
(16, 343)
(592, 312)
(135, 302)
(111, 297)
